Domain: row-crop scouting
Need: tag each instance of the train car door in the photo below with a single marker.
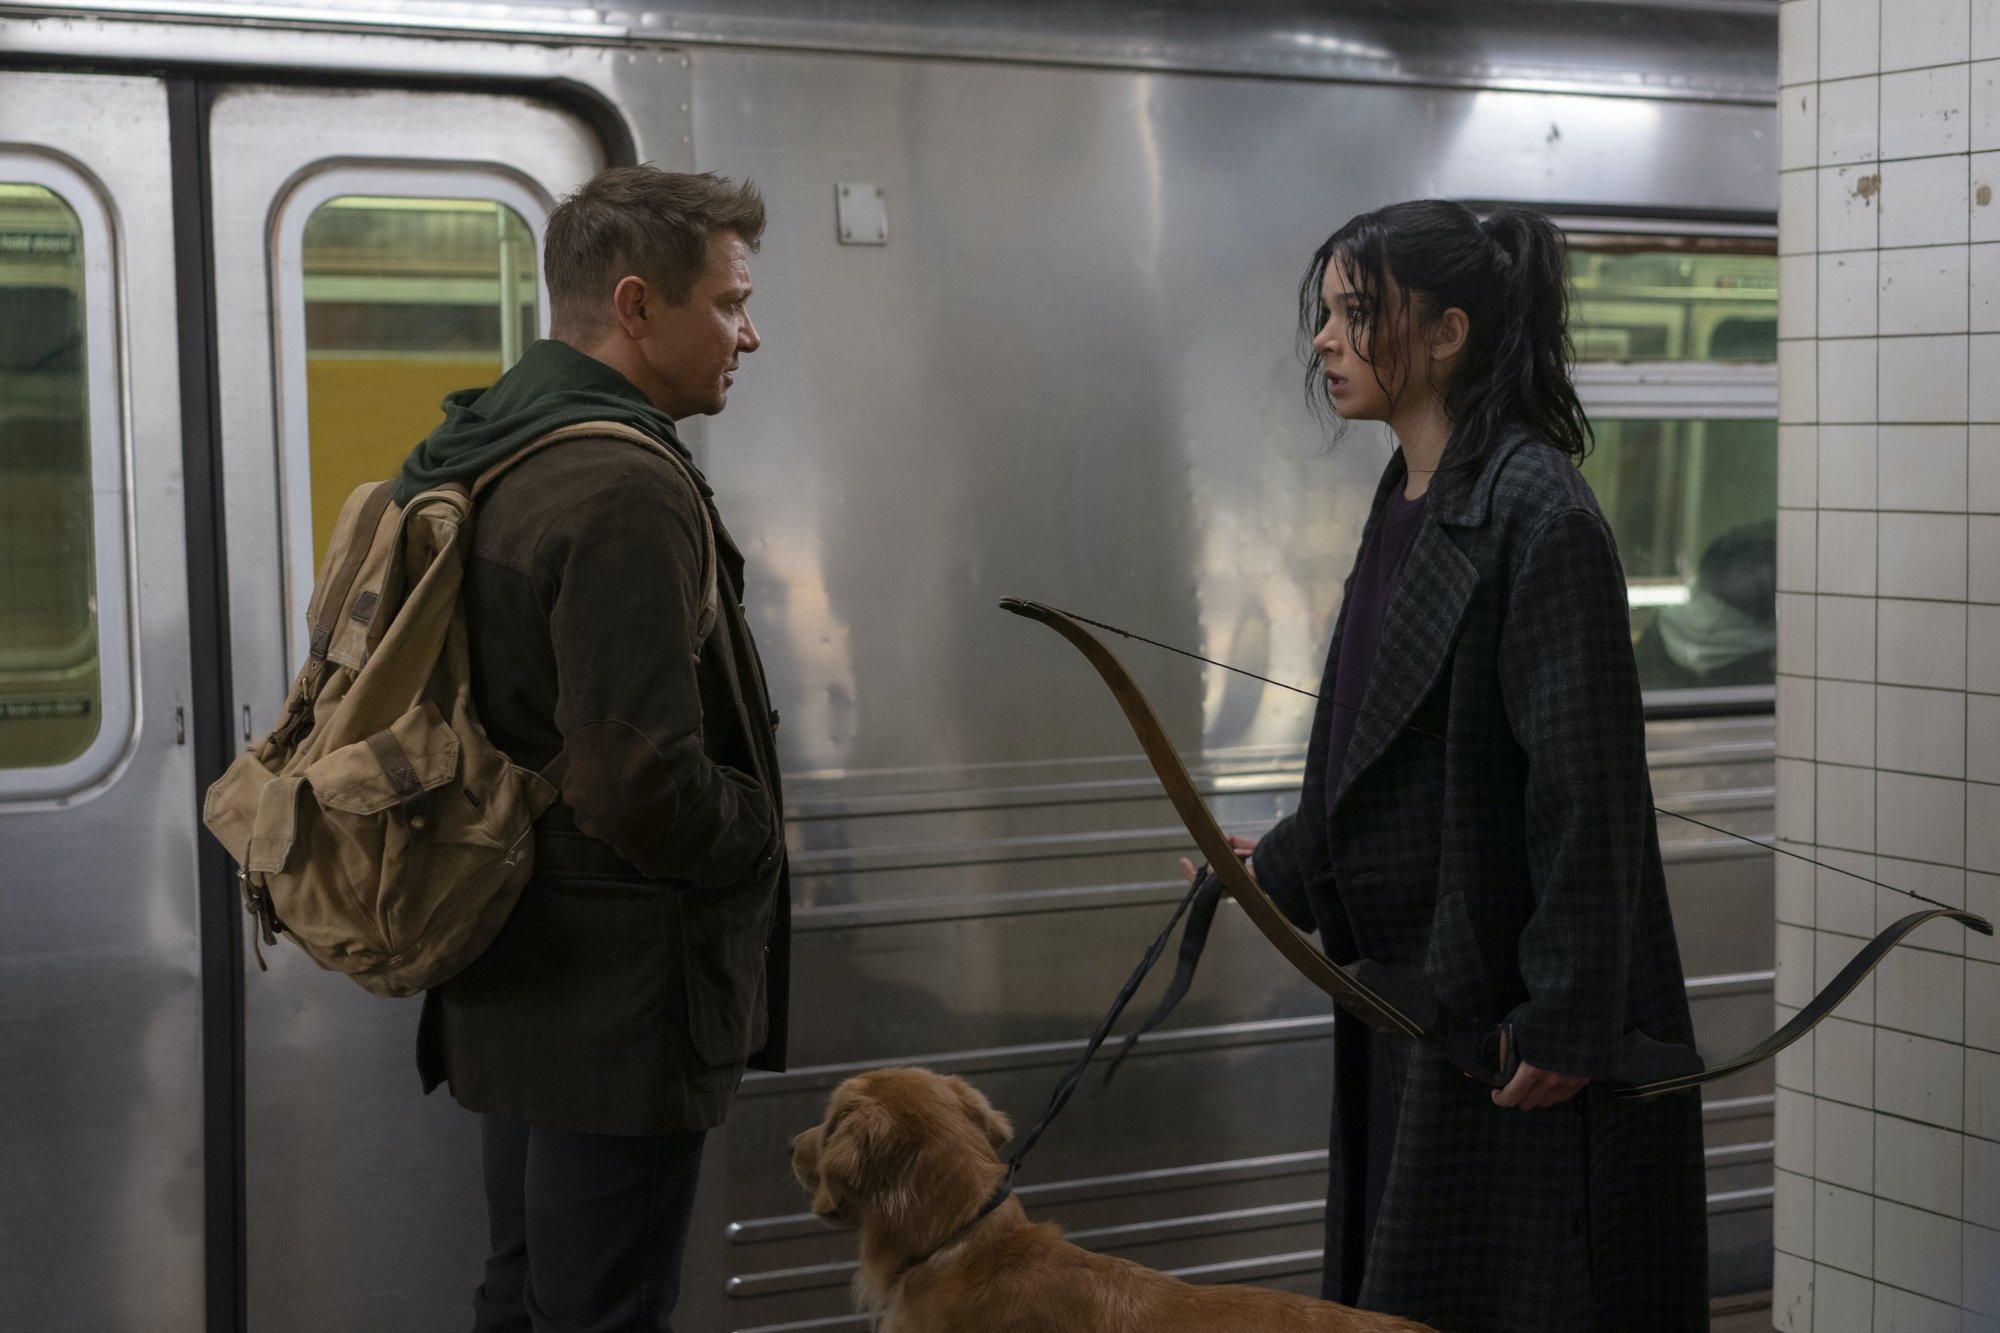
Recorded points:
(100, 980)
(374, 249)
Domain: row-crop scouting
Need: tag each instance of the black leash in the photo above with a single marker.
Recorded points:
(1202, 900)
(1203, 894)
(1204, 883)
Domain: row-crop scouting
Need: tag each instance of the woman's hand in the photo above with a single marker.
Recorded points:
(1243, 847)
(1532, 1088)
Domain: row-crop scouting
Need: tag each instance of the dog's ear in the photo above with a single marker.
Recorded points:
(858, 1156)
(998, 1129)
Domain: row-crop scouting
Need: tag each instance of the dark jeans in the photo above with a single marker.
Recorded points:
(587, 1229)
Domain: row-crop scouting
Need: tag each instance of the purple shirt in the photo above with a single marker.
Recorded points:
(1376, 572)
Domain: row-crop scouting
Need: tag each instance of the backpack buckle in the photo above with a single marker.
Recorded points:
(257, 902)
(411, 797)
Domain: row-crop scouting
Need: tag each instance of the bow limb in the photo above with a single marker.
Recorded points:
(1805, 1020)
(1397, 1001)
(1351, 992)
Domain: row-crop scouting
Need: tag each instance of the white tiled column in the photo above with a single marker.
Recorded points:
(1888, 1153)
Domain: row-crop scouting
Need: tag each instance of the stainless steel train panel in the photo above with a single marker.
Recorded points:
(364, 1208)
(1069, 374)
(997, 983)
(1659, 50)
(100, 1098)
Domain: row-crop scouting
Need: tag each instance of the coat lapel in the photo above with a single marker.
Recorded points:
(1417, 634)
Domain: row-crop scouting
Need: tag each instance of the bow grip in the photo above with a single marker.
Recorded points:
(1502, 1054)
(1488, 1056)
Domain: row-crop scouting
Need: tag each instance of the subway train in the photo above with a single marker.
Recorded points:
(1029, 308)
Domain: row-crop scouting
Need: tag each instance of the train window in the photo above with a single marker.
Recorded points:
(1704, 301)
(405, 300)
(1694, 505)
(65, 701)
(1676, 341)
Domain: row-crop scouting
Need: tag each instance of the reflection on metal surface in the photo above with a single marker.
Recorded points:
(351, 1171)
(1073, 376)
(1694, 49)
(1142, 446)
(100, 1098)
(956, 862)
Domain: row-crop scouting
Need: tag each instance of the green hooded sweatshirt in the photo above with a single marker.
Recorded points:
(553, 385)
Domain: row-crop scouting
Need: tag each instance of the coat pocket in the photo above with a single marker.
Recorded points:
(1456, 961)
(723, 939)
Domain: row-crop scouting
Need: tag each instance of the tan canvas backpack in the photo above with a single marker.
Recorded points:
(376, 824)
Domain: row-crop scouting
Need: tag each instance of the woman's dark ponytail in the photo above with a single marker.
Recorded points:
(1531, 351)
(1509, 273)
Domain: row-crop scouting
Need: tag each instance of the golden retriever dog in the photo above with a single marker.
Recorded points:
(911, 1159)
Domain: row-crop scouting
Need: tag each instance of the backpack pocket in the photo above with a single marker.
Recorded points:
(231, 807)
(417, 754)
(375, 844)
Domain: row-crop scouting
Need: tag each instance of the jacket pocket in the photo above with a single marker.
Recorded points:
(1452, 957)
(723, 939)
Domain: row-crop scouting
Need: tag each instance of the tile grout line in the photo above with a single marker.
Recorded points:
(1810, 1056)
(1965, 706)
(1811, 1244)
(1875, 784)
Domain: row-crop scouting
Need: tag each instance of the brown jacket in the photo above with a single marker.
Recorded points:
(646, 964)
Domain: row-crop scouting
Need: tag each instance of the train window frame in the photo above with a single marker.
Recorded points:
(295, 207)
(1681, 390)
(113, 579)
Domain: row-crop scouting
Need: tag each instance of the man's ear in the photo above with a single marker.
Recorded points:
(632, 301)
(998, 1129)
(858, 1158)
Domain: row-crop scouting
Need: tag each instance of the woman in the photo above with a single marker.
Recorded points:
(1476, 804)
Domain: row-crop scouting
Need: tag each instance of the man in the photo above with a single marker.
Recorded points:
(644, 968)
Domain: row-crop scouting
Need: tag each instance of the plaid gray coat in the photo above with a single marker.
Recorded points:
(1517, 864)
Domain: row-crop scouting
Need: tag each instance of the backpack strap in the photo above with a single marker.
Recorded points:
(330, 606)
(709, 572)
(328, 599)
(554, 771)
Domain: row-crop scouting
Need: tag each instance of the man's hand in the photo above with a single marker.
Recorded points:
(1531, 1089)
(1241, 846)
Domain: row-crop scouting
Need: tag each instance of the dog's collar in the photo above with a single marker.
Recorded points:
(1000, 1195)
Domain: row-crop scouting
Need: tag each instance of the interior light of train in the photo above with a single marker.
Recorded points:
(1657, 594)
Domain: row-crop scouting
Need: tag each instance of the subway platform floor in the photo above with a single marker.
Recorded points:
(1741, 1314)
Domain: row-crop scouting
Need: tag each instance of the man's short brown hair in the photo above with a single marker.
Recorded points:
(639, 221)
